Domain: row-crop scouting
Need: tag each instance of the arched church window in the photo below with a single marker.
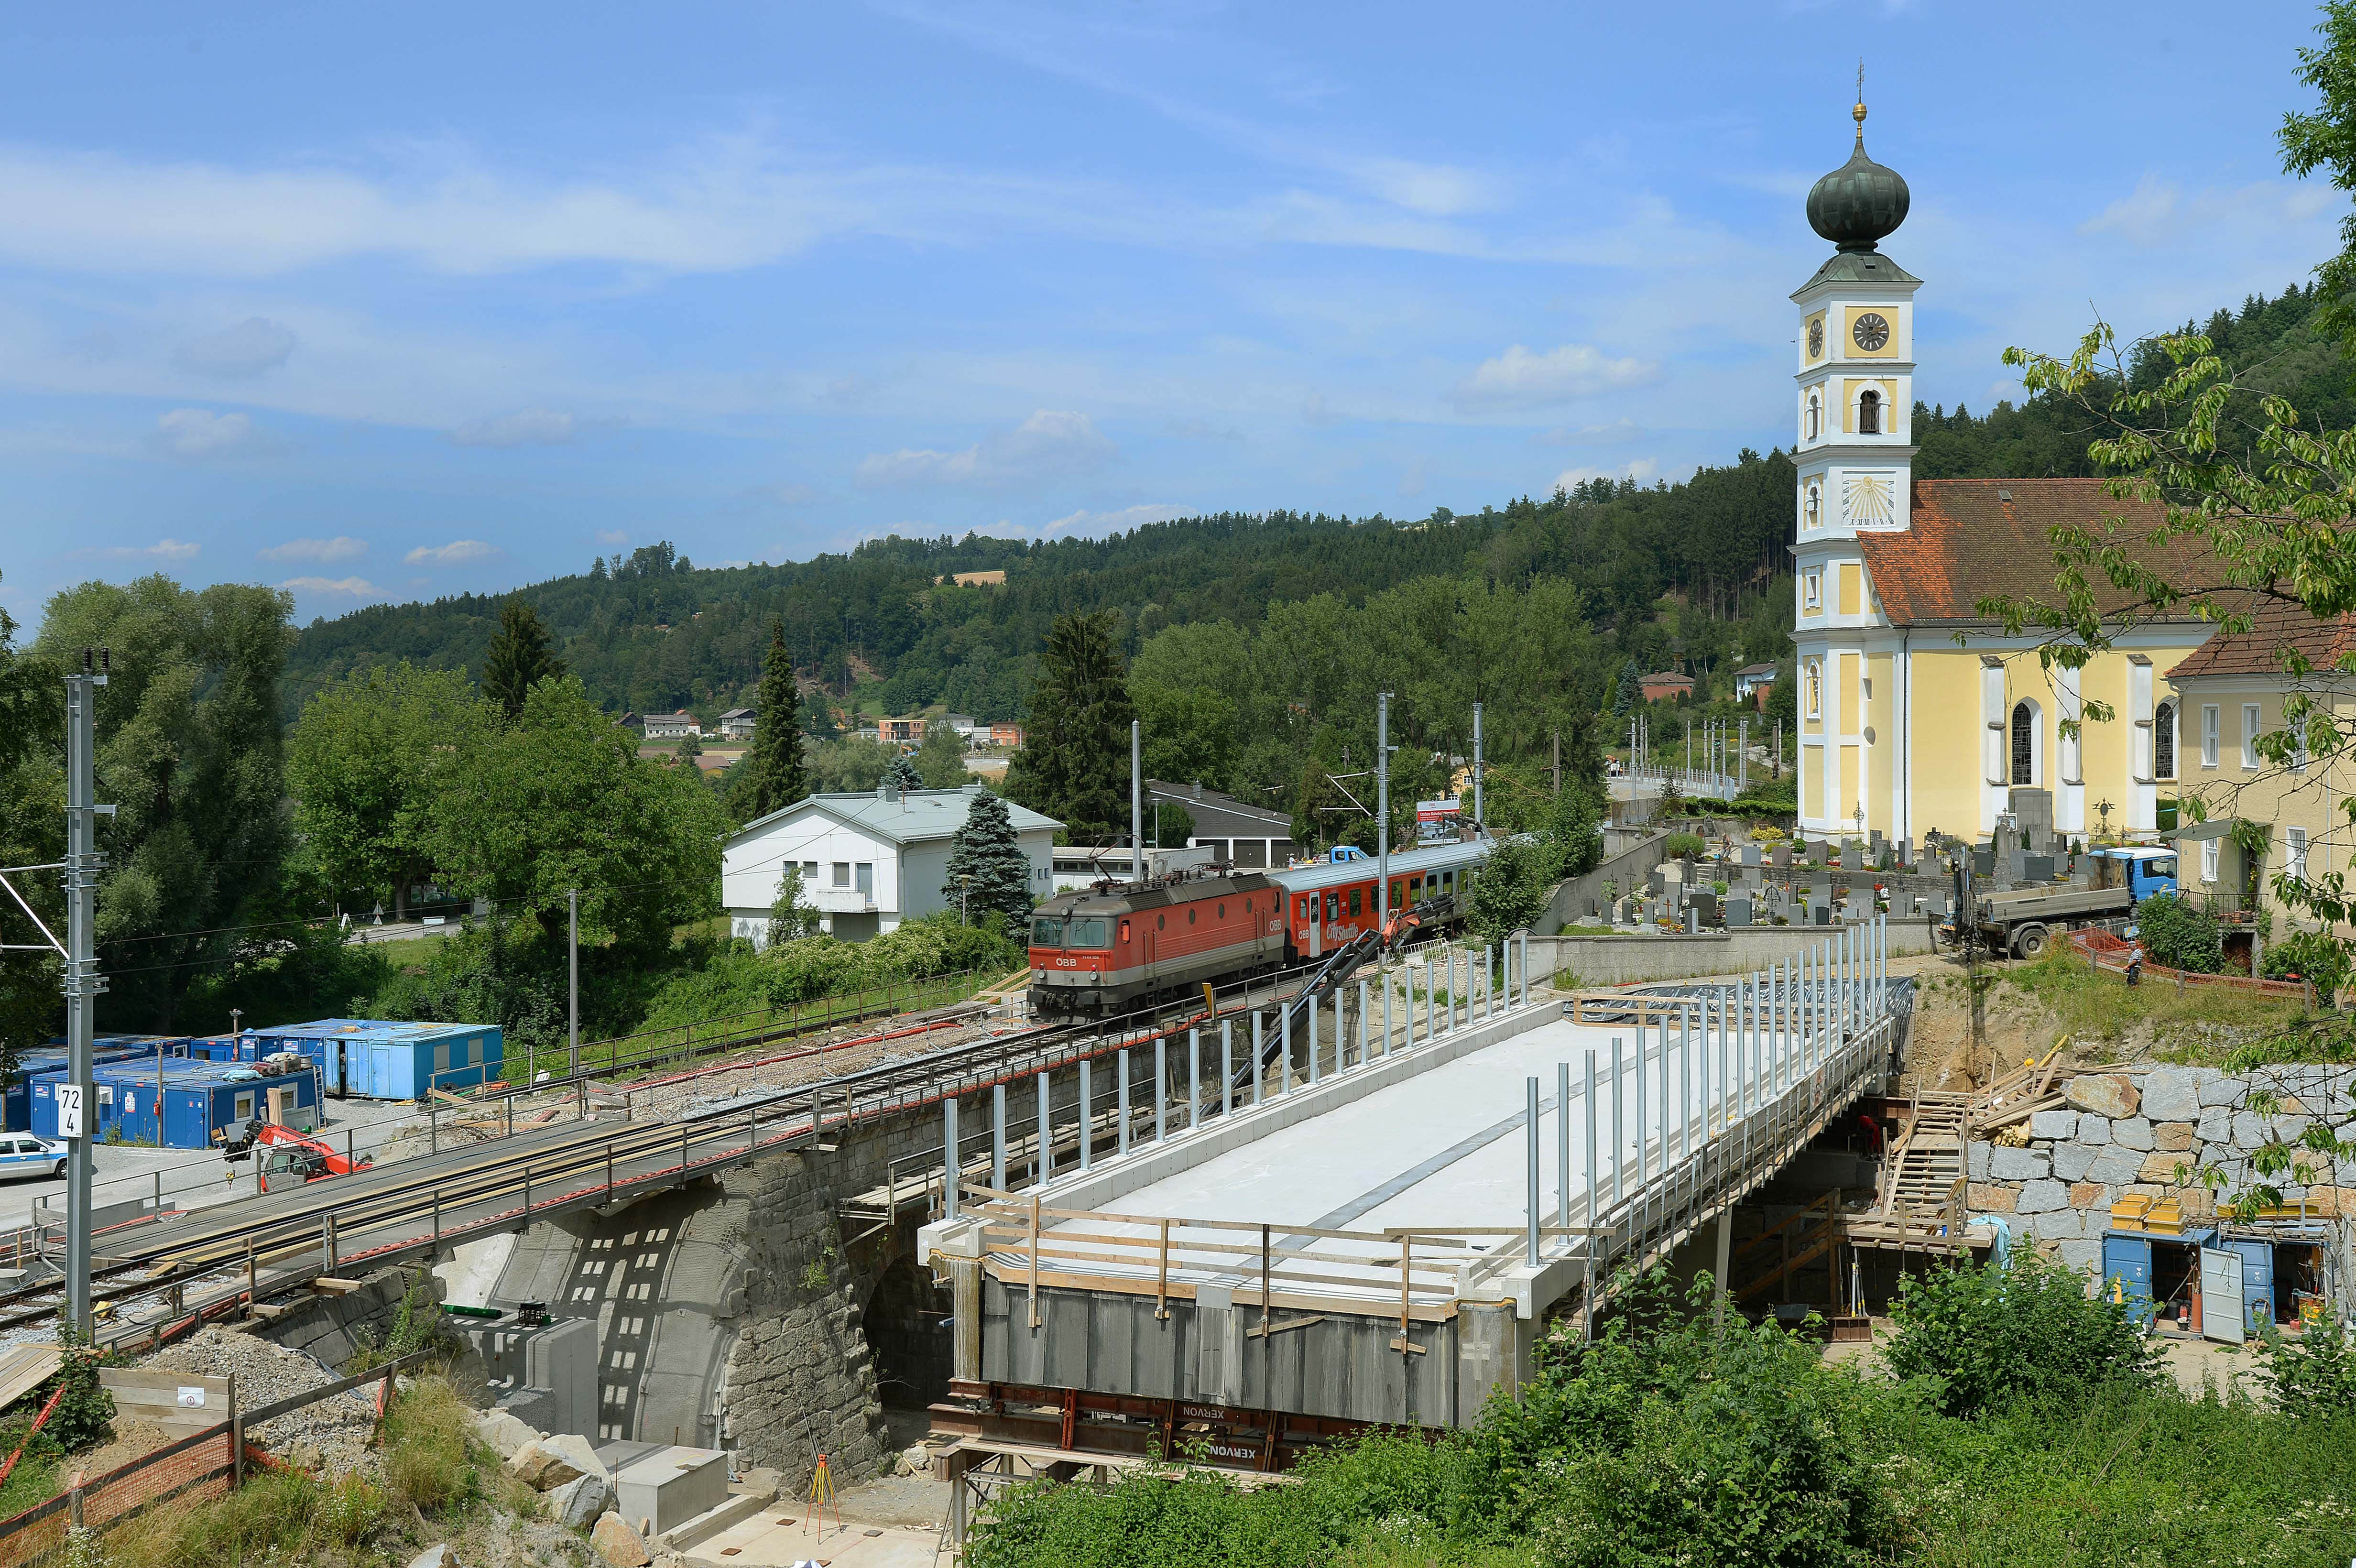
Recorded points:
(2024, 744)
(1869, 414)
(1815, 415)
(1815, 693)
(1816, 505)
(2163, 740)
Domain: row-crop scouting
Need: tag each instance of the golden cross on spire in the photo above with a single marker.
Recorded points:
(1860, 111)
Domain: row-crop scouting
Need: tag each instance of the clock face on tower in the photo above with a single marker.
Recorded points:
(1816, 338)
(1870, 331)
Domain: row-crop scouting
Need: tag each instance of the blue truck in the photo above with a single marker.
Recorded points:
(2026, 921)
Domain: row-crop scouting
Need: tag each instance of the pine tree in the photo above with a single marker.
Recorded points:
(988, 869)
(778, 775)
(1074, 764)
(901, 774)
(518, 657)
(1631, 690)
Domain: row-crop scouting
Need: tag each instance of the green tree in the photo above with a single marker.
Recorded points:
(2180, 936)
(688, 750)
(2024, 1328)
(1628, 693)
(988, 869)
(560, 799)
(519, 656)
(778, 775)
(940, 761)
(189, 750)
(32, 833)
(366, 765)
(1074, 764)
(1172, 826)
(1511, 890)
(902, 773)
(2326, 140)
(791, 916)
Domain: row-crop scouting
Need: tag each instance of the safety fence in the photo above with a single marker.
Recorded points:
(2108, 953)
(196, 1469)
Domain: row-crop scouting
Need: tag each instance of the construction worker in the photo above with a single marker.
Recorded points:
(2135, 963)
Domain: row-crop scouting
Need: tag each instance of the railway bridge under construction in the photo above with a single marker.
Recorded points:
(1384, 1241)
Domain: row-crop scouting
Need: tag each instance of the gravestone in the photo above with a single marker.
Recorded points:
(1781, 857)
(1751, 854)
(1702, 911)
(1657, 883)
(1693, 917)
(1820, 915)
(1738, 911)
(2036, 868)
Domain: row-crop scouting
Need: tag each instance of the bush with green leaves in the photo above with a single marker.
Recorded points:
(2180, 936)
(1682, 845)
(2315, 956)
(2313, 1376)
(1993, 1333)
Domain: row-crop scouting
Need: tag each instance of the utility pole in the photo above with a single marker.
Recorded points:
(1479, 822)
(1136, 801)
(82, 982)
(1383, 813)
(573, 964)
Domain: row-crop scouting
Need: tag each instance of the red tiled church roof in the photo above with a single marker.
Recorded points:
(1970, 539)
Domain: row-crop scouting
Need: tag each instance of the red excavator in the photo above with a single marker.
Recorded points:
(288, 1155)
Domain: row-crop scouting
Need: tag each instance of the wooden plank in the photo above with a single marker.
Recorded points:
(1257, 1332)
(24, 1368)
(187, 1401)
(1018, 1273)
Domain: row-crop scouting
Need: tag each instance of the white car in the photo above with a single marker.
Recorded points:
(22, 1154)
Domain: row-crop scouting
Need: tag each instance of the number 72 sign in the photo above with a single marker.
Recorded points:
(69, 1111)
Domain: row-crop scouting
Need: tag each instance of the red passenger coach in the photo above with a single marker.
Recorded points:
(1119, 945)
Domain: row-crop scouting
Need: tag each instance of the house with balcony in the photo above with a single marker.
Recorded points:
(902, 731)
(868, 862)
(736, 724)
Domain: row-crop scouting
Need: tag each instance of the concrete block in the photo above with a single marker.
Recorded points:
(2071, 1161)
(2094, 1130)
(2132, 1131)
(2215, 1127)
(2042, 1196)
(2218, 1089)
(673, 1484)
(2174, 1136)
(2170, 1094)
(576, 1504)
(1977, 1159)
(2111, 1094)
(2053, 1124)
(2016, 1164)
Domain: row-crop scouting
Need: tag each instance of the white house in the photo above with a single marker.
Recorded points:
(672, 726)
(868, 862)
(736, 724)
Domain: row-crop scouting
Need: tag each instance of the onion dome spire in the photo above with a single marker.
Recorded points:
(1859, 203)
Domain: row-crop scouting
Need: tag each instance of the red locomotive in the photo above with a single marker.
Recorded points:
(1116, 946)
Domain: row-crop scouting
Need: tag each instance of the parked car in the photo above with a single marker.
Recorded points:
(21, 1154)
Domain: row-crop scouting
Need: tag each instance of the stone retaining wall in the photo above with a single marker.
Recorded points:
(2147, 1129)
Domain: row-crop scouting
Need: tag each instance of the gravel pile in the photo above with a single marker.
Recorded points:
(338, 1427)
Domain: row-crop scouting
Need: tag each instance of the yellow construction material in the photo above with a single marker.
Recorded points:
(2130, 1212)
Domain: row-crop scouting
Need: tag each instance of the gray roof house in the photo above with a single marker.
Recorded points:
(868, 862)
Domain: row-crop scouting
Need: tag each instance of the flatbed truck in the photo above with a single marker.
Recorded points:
(2025, 921)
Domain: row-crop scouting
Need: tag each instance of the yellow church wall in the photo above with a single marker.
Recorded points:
(1850, 672)
(1852, 589)
(1944, 771)
(1880, 778)
(1848, 783)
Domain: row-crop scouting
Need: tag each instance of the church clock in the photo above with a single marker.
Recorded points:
(1872, 332)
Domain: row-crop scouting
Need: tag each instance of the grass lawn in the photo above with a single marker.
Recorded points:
(2199, 1024)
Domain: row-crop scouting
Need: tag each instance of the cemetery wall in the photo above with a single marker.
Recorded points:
(1626, 960)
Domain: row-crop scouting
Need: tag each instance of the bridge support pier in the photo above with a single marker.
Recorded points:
(1490, 1355)
(965, 1297)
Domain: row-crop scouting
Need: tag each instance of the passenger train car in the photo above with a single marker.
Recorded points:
(1114, 946)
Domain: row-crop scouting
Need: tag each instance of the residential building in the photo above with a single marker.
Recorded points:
(1009, 735)
(674, 726)
(2233, 693)
(736, 724)
(902, 731)
(1666, 685)
(867, 861)
(1918, 712)
(963, 724)
(1248, 837)
(1753, 682)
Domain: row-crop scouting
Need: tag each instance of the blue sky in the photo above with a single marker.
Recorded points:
(389, 302)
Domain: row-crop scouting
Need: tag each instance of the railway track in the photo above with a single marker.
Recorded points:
(165, 1276)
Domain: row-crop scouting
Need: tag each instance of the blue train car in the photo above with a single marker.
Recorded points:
(16, 1099)
(378, 1060)
(194, 1105)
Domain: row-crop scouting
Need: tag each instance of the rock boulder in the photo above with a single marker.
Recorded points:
(503, 1433)
(577, 1504)
(617, 1544)
(537, 1466)
(2111, 1094)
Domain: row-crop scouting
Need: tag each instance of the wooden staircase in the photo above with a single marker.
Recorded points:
(1920, 1171)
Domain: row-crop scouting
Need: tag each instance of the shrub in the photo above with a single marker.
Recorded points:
(1682, 845)
(427, 1463)
(1991, 1333)
(2313, 955)
(2311, 1376)
(2180, 936)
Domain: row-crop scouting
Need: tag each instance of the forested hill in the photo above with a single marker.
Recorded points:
(650, 632)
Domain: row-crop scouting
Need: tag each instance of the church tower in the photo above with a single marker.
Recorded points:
(1854, 408)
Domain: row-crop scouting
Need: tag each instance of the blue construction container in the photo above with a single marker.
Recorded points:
(204, 1104)
(243, 1047)
(379, 1060)
(16, 1099)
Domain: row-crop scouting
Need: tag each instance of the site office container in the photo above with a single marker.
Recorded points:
(381, 1060)
(243, 1047)
(17, 1100)
(2151, 1270)
(203, 1104)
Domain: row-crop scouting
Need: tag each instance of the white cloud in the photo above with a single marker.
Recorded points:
(1200, 430)
(252, 347)
(2158, 212)
(1085, 523)
(358, 587)
(525, 427)
(452, 554)
(1519, 379)
(341, 548)
(614, 537)
(1640, 470)
(195, 434)
(1619, 429)
(1438, 190)
(1051, 440)
(162, 550)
